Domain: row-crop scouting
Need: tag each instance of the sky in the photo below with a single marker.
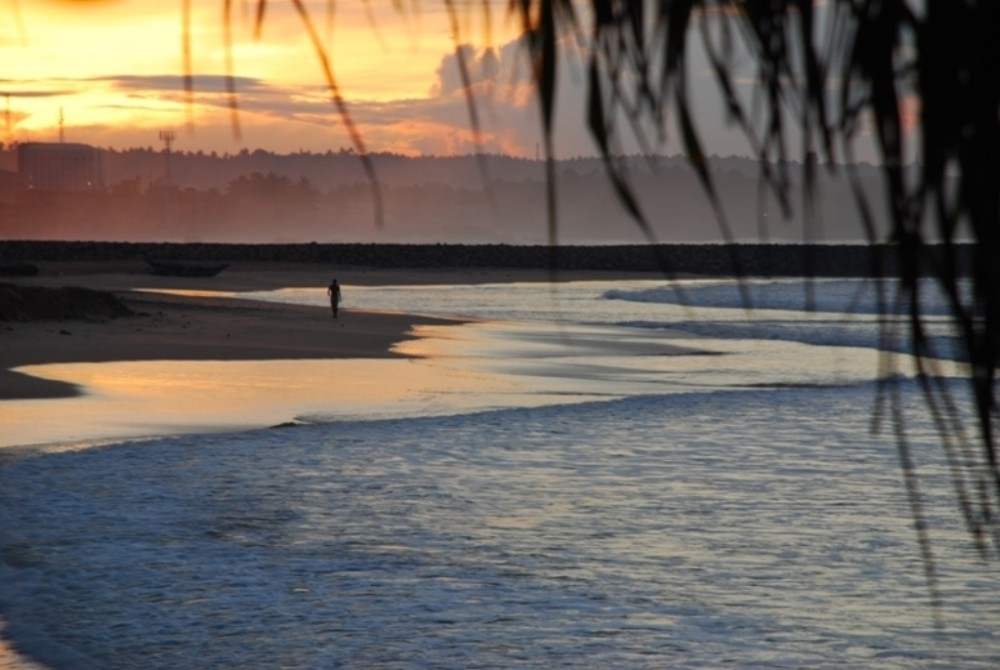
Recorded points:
(110, 73)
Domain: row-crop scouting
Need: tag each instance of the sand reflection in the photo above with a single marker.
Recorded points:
(148, 398)
(132, 399)
(447, 370)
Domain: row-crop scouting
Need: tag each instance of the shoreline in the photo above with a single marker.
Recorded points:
(173, 326)
(166, 327)
(187, 362)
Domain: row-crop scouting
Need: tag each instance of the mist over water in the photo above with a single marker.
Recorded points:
(742, 515)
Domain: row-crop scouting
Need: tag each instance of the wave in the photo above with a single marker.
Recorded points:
(429, 542)
(942, 342)
(838, 312)
(845, 296)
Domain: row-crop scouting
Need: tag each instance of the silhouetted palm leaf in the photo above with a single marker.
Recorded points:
(830, 79)
(826, 74)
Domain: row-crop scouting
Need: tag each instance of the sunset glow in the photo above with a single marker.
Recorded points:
(111, 73)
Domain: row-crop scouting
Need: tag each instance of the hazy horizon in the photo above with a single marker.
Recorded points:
(259, 196)
(257, 100)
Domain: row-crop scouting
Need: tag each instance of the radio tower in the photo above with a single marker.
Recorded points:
(167, 137)
(10, 134)
(62, 127)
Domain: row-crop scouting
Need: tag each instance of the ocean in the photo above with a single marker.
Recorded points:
(636, 475)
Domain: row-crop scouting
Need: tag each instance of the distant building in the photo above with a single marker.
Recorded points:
(60, 167)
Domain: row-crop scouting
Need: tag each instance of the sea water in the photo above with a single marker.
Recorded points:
(712, 493)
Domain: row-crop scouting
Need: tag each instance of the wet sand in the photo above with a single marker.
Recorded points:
(48, 378)
(191, 327)
(170, 327)
(238, 345)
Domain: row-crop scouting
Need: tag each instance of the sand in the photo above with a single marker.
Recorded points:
(211, 330)
(176, 327)
(344, 360)
(168, 327)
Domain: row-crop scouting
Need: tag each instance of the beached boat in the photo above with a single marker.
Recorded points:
(176, 269)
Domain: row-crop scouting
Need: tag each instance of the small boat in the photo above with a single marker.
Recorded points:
(175, 269)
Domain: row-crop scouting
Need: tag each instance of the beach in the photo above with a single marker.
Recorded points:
(188, 321)
(178, 319)
(168, 326)
(173, 322)
(515, 473)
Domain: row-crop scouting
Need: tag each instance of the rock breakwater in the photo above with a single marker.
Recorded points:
(761, 260)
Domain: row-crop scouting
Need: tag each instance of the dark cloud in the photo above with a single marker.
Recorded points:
(14, 88)
(172, 82)
(212, 90)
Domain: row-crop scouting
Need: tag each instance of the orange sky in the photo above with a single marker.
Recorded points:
(113, 71)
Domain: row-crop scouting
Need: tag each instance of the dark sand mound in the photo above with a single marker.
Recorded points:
(38, 303)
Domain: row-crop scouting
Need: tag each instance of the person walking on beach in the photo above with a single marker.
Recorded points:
(333, 290)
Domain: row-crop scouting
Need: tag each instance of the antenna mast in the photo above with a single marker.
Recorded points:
(167, 137)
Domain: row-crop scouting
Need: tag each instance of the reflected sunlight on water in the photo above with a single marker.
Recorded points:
(141, 398)
(450, 369)
(735, 510)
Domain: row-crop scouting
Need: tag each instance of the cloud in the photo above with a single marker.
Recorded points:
(500, 86)
(273, 114)
(173, 82)
(433, 117)
(441, 122)
(482, 66)
(20, 88)
(495, 73)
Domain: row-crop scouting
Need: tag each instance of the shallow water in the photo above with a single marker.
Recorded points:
(541, 344)
(746, 518)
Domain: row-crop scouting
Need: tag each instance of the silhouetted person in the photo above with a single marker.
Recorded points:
(333, 290)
